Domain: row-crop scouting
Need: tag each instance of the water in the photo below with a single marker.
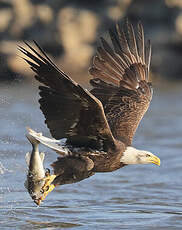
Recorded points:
(134, 197)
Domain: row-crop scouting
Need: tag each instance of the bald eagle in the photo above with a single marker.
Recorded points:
(93, 130)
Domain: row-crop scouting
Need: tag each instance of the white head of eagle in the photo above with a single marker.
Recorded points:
(136, 156)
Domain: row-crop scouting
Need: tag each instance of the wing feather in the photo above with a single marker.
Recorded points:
(148, 57)
(141, 45)
(132, 41)
(70, 111)
(124, 104)
(121, 88)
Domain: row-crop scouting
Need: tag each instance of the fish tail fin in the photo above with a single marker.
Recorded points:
(32, 139)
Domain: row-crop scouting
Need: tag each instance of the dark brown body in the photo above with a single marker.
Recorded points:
(84, 164)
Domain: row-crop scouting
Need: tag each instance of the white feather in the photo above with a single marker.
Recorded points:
(57, 145)
(135, 156)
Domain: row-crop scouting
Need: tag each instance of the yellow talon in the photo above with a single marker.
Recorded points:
(48, 180)
(47, 188)
(50, 188)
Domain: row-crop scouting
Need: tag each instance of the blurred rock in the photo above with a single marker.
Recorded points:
(173, 3)
(6, 17)
(162, 24)
(77, 31)
(23, 16)
(69, 31)
(44, 13)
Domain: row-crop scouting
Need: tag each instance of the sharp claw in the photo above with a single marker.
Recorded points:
(48, 180)
(47, 188)
(50, 188)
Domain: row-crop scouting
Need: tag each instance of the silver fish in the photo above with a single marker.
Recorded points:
(36, 173)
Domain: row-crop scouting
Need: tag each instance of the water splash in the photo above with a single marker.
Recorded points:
(3, 169)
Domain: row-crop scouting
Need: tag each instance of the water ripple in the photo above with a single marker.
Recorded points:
(135, 197)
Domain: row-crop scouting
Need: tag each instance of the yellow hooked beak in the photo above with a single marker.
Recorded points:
(154, 160)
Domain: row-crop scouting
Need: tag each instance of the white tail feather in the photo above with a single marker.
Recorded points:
(51, 143)
(40, 136)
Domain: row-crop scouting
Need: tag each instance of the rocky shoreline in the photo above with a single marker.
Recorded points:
(68, 31)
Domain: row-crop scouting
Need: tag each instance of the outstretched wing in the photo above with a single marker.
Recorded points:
(121, 79)
(70, 111)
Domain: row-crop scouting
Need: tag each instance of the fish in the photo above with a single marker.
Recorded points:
(36, 173)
